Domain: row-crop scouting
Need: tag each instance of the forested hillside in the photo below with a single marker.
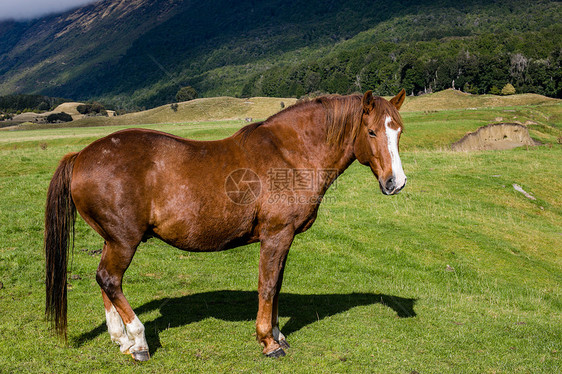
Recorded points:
(139, 53)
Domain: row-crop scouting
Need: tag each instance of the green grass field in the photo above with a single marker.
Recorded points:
(459, 273)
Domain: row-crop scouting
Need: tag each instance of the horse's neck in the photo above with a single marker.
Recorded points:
(340, 161)
(309, 146)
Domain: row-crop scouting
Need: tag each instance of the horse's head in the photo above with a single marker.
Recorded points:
(377, 140)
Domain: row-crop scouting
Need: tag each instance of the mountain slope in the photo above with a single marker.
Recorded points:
(55, 50)
(139, 52)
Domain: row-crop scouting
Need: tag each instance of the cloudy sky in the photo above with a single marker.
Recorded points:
(26, 9)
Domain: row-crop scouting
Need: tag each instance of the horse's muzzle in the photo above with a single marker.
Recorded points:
(390, 187)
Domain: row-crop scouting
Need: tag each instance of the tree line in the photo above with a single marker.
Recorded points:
(480, 65)
(36, 103)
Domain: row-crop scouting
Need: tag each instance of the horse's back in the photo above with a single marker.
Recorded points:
(162, 185)
(128, 156)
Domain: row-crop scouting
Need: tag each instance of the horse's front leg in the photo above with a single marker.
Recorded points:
(273, 253)
(277, 334)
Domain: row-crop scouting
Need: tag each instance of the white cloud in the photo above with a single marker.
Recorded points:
(28, 9)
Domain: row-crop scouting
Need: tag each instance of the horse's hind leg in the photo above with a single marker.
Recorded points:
(115, 326)
(124, 326)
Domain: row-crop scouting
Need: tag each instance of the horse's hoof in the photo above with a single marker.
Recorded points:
(141, 355)
(283, 343)
(279, 352)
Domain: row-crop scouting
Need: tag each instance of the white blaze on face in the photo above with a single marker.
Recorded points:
(392, 141)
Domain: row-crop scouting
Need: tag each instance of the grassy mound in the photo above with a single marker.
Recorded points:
(205, 109)
(69, 108)
(453, 99)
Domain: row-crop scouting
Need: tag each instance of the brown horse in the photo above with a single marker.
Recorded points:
(264, 183)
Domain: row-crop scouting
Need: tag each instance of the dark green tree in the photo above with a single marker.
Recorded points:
(59, 117)
(186, 93)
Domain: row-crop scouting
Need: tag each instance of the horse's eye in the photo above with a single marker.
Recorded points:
(372, 133)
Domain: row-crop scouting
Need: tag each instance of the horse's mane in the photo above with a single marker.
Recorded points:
(245, 131)
(343, 115)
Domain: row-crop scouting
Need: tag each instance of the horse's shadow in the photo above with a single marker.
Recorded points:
(302, 310)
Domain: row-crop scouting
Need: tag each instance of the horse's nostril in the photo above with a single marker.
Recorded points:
(390, 184)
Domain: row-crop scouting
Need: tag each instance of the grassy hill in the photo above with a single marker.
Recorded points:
(218, 108)
(435, 120)
(138, 54)
(452, 99)
(457, 273)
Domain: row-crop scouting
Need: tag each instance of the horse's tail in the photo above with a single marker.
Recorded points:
(60, 214)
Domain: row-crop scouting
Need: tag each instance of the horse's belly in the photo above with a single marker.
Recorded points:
(215, 246)
(204, 234)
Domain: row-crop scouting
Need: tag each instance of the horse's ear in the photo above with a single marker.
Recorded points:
(398, 100)
(368, 101)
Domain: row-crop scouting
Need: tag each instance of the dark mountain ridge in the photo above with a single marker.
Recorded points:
(140, 52)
